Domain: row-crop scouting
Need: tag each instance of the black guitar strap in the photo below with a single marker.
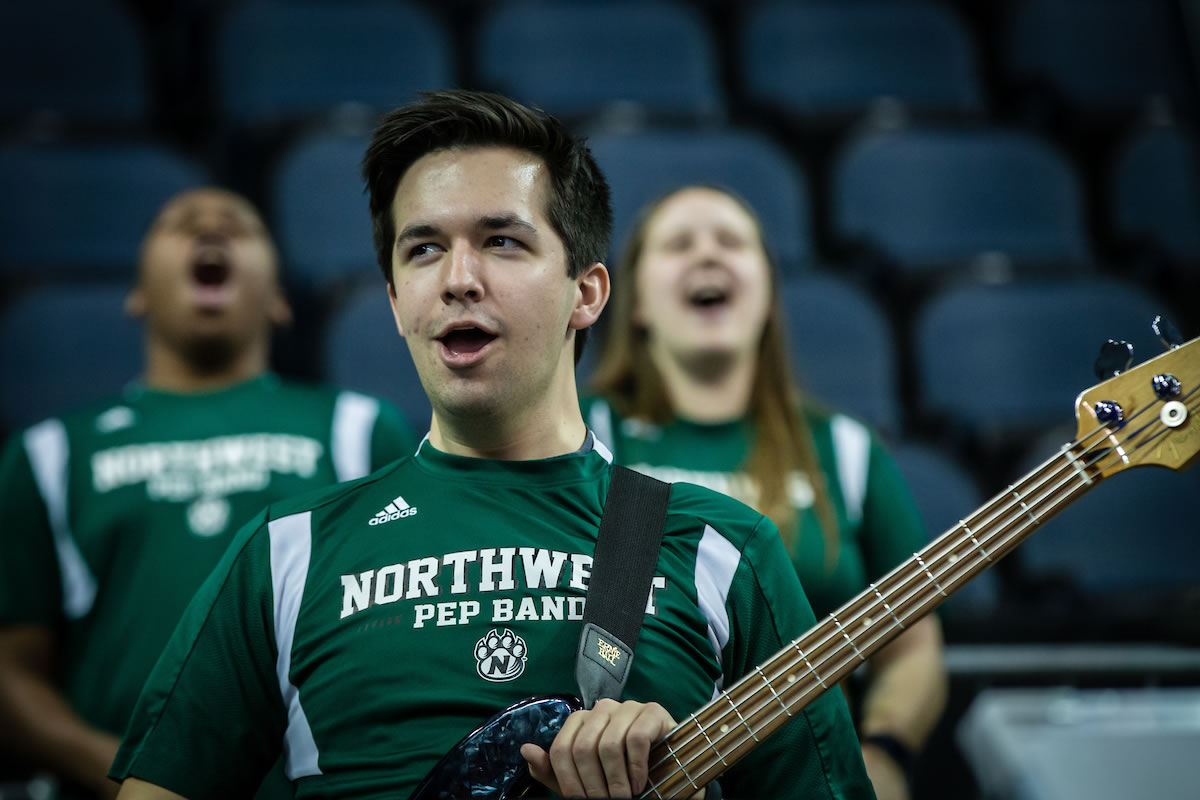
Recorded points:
(631, 530)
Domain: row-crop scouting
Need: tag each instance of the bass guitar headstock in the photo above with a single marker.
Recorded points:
(1146, 415)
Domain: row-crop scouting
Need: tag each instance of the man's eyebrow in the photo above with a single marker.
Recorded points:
(498, 222)
(417, 231)
(488, 222)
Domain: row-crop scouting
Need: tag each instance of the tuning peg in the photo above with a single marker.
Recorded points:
(1115, 357)
(1167, 333)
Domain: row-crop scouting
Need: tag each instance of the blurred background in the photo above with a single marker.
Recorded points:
(965, 198)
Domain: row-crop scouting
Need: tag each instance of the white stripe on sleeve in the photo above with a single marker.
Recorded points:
(291, 548)
(716, 561)
(48, 449)
(354, 418)
(852, 449)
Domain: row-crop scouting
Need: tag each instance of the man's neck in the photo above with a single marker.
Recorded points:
(708, 390)
(551, 428)
(168, 369)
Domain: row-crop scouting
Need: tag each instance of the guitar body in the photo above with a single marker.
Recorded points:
(487, 763)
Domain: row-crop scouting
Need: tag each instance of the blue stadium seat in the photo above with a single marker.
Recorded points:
(946, 494)
(62, 347)
(938, 198)
(83, 209)
(1103, 55)
(580, 58)
(640, 167)
(1014, 357)
(321, 213)
(834, 59)
(283, 62)
(362, 350)
(1135, 531)
(81, 59)
(841, 346)
(1155, 192)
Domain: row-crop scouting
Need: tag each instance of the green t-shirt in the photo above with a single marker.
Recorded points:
(114, 516)
(878, 524)
(354, 629)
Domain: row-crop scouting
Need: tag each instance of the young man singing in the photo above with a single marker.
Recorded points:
(365, 629)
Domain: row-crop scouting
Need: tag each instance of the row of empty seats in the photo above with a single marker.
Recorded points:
(915, 200)
(281, 60)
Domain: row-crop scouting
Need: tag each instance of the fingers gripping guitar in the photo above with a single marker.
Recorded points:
(602, 752)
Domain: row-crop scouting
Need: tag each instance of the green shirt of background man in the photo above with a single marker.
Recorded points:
(878, 524)
(115, 515)
(356, 629)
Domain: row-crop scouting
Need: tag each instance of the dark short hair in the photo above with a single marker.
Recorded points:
(578, 206)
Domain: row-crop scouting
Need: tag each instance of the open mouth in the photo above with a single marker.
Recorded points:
(708, 298)
(212, 285)
(210, 274)
(211, 270)
(463, 341)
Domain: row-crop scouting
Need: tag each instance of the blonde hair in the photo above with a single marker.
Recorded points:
(783, 441)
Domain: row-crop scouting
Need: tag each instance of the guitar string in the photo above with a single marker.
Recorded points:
(873, 608)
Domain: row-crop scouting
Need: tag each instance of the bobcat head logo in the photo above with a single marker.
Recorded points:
(500, 655)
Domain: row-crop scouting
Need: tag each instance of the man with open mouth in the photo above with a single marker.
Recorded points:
(113, 516)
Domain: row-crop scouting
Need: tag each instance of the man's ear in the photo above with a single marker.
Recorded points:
(592, 289)
(395, 309)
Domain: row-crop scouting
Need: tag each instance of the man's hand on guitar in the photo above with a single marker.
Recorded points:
(602, 752)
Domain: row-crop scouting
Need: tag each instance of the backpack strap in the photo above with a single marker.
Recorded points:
(627, 545)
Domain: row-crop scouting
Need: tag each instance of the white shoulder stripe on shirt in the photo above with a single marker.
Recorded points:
(601, 424)
(354, 418)
(49, 451)
(716, 561)
(291, 549)
(852, 450)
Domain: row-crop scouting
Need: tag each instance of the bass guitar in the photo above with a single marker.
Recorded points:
(1149, 415)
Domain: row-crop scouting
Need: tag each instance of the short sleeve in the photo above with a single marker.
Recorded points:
(210, 720)
(30, 581)
(816, 754)
(892, 528)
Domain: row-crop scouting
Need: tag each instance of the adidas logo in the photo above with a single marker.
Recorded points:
(397, 509)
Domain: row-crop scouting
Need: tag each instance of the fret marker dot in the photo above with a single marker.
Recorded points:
(791, 678)
(867, 622)
(953, 559)
(724, 729)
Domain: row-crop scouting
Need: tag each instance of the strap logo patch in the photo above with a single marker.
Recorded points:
(606, 651)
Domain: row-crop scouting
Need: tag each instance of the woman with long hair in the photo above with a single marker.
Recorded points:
(694, 385)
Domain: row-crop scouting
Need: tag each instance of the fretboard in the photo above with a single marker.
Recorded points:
(732, 724)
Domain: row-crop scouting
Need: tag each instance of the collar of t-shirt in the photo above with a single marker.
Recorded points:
(581, 464)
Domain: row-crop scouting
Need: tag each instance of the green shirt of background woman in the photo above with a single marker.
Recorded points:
(695, 385)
